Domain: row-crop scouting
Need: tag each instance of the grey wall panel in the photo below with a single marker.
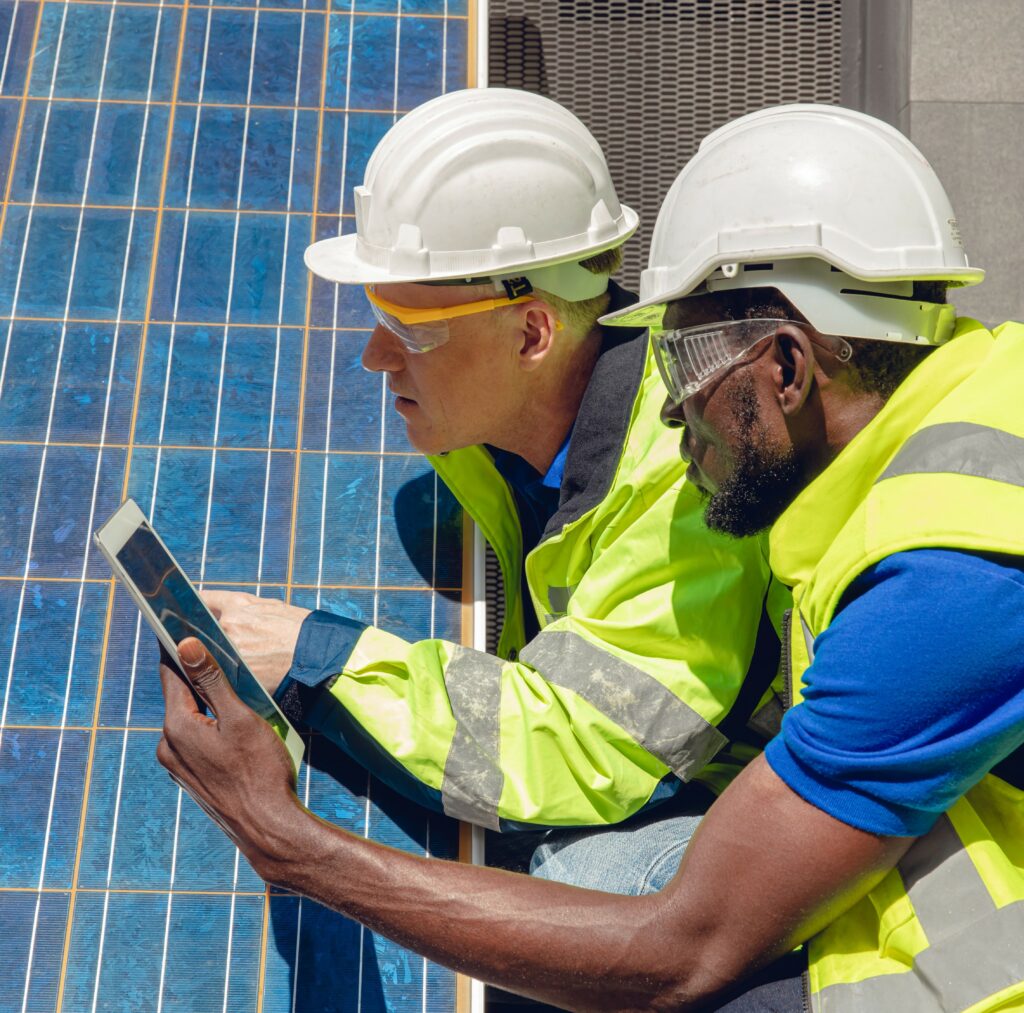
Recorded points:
(978, 151)
(966, 114)
(968, 52)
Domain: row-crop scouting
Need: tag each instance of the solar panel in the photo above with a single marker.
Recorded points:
(164, 165)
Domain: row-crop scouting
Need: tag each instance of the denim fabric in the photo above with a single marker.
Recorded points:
(637, 858)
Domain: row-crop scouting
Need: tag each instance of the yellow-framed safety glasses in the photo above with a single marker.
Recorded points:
(421, 329)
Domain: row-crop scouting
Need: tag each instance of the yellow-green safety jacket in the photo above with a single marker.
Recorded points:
(941, 466)
(648, 624)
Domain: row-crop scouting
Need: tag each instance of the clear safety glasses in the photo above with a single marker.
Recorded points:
(691, 357)
(424, 329)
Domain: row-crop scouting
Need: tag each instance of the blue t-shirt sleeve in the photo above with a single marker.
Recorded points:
(916, 691)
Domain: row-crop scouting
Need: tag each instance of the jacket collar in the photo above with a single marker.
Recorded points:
(602, 424)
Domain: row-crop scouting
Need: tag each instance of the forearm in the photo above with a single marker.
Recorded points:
(572, 948)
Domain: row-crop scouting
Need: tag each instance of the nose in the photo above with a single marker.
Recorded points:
(383, 352)
(672, 414)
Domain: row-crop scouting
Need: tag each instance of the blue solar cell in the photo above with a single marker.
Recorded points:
(343, 155)
(42, 771)
(261, 370)
(51, 680)
(419, 77)
(79, 487)
(280, 160)
(31, 924)
(81, 396)
(374, 60)
(17, 24)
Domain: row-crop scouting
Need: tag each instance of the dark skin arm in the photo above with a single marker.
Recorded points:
(764, 872)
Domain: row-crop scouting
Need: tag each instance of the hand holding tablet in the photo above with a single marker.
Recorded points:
(173, 608)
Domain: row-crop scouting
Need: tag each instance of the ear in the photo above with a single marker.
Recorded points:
(539, 322)
(793, 368)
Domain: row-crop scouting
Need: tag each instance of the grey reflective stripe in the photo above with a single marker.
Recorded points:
(664, 725)
(974, 948)
(558, 598)
(961, 448)
(473, 779)
(943, 884)
(767, 722)
(808, 638)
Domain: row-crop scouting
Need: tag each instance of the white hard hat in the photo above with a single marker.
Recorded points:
(485, 182)
(803, 181)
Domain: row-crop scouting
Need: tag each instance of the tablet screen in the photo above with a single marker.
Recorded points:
(183, 614)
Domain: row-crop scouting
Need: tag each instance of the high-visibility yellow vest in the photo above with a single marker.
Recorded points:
(942, 465)
(648, 622)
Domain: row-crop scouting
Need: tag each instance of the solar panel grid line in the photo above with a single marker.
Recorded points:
(7, 48)
(213, 457)
(334, 310)
(249, 8)
(251, 325)
(42, 468)
(230, 294)
(197, 447)
(22, 106)
(297, 471)
(167, 913)
(281, 293)
(138, 622)
(189, 104)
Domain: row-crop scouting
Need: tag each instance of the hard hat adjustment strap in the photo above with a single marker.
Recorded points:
(516, 287)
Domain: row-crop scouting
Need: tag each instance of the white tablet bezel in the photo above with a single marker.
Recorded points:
(110, 538)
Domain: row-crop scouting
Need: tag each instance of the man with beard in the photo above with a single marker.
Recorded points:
(794, 300)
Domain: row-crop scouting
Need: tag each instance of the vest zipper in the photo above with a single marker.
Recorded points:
(787, 660)
(805, 990)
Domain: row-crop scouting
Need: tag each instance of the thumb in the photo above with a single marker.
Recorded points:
(206, 675)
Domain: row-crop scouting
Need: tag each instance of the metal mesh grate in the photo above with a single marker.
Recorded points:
(652, 77)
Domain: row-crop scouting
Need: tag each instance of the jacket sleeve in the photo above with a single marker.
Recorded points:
(621, 690)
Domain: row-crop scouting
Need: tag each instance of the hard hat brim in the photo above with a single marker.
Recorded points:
(648, 312)
(337, 260)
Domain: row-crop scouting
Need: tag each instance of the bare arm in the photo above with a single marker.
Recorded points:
(764, 871)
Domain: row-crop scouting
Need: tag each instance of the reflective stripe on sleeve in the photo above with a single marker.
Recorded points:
(974, 948)
(961, 448)
(473, 779)
(669, 729)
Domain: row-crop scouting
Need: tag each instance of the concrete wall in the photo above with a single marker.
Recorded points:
(964, 109)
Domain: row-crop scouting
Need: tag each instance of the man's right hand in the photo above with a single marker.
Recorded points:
(264, 630)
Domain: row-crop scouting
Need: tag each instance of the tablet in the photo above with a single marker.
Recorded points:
(174, 610)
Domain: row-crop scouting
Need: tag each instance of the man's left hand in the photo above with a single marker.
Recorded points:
(265, 631)
(233, 763)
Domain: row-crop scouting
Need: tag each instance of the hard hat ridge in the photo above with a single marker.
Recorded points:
(483, 182)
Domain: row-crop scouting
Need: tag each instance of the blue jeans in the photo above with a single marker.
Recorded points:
(640, 857)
